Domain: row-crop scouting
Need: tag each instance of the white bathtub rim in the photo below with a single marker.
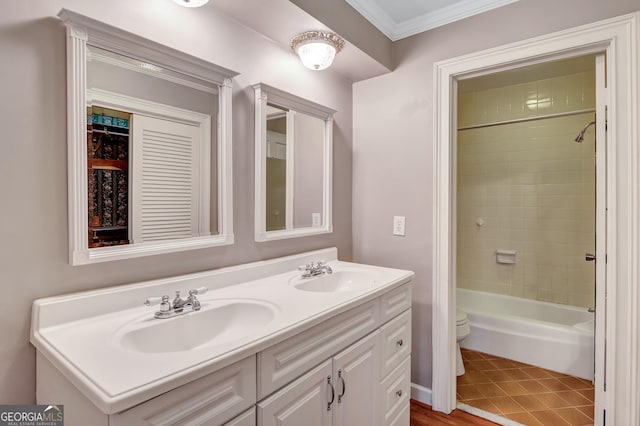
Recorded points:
(499, 309)
(525, 326)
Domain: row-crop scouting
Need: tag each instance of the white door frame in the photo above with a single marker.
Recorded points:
(619, 38)
(600, 269)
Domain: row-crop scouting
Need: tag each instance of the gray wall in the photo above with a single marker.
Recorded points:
(308, 168)
(393, 142)
(33, 162)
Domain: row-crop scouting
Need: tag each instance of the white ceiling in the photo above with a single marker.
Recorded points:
(398, 19)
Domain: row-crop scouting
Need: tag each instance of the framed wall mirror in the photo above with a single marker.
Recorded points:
(149, 146)
(294, 141)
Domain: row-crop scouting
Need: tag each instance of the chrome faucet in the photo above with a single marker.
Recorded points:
(178, 306)
(178, 303)
(312, 269)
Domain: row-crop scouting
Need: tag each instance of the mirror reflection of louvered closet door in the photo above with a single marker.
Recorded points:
(164, 179)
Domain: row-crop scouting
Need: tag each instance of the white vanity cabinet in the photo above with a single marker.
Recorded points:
(351, 370)
(291, 355)
(366, 384)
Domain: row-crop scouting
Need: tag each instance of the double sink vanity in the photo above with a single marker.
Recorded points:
(267, 347)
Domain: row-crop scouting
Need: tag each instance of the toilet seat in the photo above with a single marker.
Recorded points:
(463, 328)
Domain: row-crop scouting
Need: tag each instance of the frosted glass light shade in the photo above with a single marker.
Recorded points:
(191, 3)
(317, 56)
(317, 49)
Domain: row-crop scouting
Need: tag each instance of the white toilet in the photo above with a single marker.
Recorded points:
(462, 331)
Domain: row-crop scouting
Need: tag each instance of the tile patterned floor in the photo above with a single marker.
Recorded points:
(529, 395)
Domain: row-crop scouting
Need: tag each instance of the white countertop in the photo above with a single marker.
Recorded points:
(88, 349)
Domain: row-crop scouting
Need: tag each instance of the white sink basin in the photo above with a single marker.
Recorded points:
(339, 281)
(211, 326)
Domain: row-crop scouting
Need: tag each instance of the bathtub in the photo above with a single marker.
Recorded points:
(548, 335)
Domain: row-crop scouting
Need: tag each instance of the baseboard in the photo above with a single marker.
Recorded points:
(503, 421)
(422, 394)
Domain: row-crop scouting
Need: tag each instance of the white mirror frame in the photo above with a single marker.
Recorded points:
(83, 31)
(264, 94)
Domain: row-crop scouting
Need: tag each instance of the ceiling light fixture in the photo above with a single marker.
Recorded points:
(317, 48)
(191, 3)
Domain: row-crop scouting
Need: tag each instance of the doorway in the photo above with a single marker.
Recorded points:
(620, 307)
(525, 208)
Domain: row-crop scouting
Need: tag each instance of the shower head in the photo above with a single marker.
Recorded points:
(580, 136)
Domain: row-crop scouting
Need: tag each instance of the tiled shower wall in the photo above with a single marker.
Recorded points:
(527, 187)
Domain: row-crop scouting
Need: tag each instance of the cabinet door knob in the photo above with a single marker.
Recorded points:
(400, 343)
(399, 393)
(333, 393)
(344, 386)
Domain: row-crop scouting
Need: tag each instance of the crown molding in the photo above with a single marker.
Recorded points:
(446, 15)
(376, 15)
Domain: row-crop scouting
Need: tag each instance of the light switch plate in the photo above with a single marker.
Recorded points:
(398, 225)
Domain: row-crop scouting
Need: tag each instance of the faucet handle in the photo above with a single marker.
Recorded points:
(192, 300)
(152, 301)
(198, 291)
(165, 305)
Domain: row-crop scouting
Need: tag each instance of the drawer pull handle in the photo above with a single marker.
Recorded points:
(344, 387)
(399, 393)
(400, 343)
(333, 393)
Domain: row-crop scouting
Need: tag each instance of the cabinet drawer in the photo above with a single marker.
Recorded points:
(282, 363)
(211, 400)
(396, 389)
(395, 342)
(395, 302)
(248, 418)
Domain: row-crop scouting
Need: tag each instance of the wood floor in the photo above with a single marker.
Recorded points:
(423, 415)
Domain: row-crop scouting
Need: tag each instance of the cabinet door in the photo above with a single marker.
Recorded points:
(357, 379)
(306, 401)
